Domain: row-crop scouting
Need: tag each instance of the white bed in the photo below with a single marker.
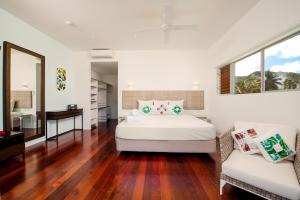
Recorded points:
(167, 133)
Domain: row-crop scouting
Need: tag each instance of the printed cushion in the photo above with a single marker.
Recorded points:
(287, 133)
(273, 147)
(175, 107)
(160, 107)
(146, 107)
(244, 140)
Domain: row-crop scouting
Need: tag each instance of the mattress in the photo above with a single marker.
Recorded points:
(167, 127)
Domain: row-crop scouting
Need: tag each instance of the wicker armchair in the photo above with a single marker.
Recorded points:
(226, 148)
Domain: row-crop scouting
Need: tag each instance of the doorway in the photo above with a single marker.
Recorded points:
(104, 92)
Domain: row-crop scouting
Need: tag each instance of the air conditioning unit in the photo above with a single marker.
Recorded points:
(101, 53)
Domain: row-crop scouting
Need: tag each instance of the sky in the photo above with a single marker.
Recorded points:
(282, 57)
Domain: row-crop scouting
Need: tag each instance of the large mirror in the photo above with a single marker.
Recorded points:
(24, 92)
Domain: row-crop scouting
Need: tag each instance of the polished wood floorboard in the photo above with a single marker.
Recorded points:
(91, 168)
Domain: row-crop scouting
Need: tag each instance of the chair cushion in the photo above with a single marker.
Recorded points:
(288, 133)
(279, 178)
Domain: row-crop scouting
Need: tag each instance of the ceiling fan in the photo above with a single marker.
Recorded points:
(167, 26)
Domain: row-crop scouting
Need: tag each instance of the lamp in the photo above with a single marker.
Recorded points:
(130, 85)
(195, 85)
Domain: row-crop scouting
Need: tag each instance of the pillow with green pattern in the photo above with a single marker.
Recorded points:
(175, 107)
(273, 147)
(146, 107)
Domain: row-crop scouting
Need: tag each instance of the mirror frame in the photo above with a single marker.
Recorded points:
(7, 47)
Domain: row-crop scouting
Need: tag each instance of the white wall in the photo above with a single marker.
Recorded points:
(16, 31)
(95, 75)
(82, 86)
(266, 21)
(163, 70)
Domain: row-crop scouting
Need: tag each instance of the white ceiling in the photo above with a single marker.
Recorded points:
(112, 23)
(105, 68)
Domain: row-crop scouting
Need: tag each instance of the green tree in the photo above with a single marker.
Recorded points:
(273, 81)
(290, 83)
(248, 84)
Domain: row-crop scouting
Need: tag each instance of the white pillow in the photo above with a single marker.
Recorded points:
(135, 112)
(287, 133)
(160, 107)
(273, 146)
(175, 107)
(146, 107)
(244, 140)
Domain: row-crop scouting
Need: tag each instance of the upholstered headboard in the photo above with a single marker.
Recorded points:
(23, 99)
(193, 99)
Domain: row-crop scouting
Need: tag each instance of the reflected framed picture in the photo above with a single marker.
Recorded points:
(61, 77)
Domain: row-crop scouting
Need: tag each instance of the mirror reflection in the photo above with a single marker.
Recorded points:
(25, 91)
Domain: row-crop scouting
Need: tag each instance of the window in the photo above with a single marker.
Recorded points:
(273, 68)
(282, 65)
(247, 74)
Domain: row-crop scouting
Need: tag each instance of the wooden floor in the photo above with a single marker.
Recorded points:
(91, 168)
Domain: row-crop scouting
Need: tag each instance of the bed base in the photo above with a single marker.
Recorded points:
(174, 146)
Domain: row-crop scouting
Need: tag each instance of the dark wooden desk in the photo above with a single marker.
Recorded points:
(12, 145)
(57, 115)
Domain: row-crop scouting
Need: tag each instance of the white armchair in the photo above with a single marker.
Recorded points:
(254, 174)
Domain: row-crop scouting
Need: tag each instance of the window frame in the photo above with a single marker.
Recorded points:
(262, 82)
(262, 67)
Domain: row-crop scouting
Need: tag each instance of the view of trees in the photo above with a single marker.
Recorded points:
(273, 81)
(248, 84)
(292, 81)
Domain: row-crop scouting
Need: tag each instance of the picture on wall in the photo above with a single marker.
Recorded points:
(61, 77)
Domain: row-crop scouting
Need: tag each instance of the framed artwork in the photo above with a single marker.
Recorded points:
(61, 77)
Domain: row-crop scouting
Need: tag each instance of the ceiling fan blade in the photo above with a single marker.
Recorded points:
(191, 27)
(148, 30)
(166, 37)
(145, 31)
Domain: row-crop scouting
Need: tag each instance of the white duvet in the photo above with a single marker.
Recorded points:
(167, 127)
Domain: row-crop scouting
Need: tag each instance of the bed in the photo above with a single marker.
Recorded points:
(167, 133)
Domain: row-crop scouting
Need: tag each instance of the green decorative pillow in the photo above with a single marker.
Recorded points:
(146, 107)
(177, 110)
(175, 107)
(273, 147)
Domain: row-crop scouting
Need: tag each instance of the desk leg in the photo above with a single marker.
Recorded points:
(82, 123)
(56, 132)
(46, 135)
(74, 128)
(37, 125)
